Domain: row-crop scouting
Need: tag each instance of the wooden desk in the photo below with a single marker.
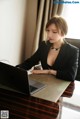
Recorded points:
(41, 105)
(54, 87)
(24, 107)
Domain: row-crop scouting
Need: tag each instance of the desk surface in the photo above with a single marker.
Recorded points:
(54, 87)
(38, 106)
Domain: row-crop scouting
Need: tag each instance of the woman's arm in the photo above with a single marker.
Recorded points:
(33, 60)
(46, 71)
(68, 72)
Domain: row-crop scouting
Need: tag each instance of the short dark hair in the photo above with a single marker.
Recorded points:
(60, 23)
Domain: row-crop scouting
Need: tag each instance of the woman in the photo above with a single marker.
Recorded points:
(57, 56)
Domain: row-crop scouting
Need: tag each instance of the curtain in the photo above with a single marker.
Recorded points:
(47, 9)
(38, 27)
(57, 7)
(38, 13)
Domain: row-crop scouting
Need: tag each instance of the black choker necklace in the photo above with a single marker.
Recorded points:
(55, 49)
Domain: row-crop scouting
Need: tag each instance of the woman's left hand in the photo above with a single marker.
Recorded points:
(44, 72)
(40, 71)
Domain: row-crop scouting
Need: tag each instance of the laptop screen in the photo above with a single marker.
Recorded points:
(14, 78)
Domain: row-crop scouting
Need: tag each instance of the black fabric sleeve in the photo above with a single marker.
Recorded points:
(33, 60)
(69, 73)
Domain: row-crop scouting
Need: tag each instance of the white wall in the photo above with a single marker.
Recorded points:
(12, 14)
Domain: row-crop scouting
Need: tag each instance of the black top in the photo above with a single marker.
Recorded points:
(66, 63)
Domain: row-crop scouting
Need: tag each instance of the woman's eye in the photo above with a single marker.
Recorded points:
(54, 32)
(47, 30)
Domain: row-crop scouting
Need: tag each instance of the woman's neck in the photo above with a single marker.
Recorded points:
(58, 44)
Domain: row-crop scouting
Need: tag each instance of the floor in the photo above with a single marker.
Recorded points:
(70, 114)
(71, 106)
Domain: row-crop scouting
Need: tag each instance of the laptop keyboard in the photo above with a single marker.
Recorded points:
(32, 88)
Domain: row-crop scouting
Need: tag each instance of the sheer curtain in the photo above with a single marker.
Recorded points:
(72, 16)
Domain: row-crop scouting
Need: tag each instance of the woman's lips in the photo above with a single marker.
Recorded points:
(50, 39)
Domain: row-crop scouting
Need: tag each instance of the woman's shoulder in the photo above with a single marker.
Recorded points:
(44, 43)
(70, 47)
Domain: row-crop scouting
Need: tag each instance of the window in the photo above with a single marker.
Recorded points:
(71, 14)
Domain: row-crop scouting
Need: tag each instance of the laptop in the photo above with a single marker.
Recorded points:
(16, 79)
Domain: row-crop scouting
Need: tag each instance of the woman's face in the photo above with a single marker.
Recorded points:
(53, 35)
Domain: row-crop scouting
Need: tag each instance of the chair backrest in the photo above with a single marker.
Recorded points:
(76, 42)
